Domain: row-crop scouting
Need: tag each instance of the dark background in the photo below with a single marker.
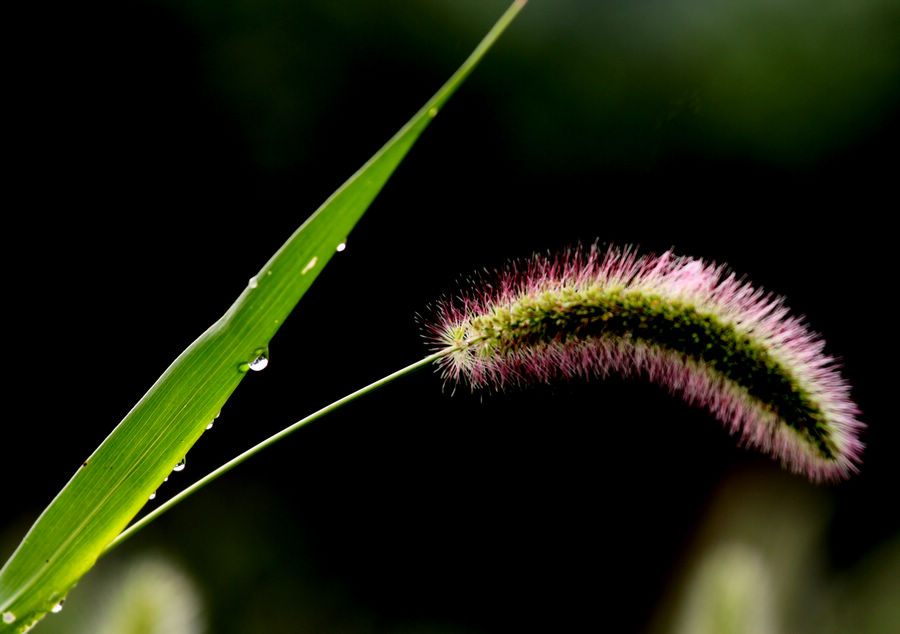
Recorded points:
(159, 152)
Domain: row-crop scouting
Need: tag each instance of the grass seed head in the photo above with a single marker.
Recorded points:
(688, 325)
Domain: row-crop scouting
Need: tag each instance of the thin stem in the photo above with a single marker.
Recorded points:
(228, 466)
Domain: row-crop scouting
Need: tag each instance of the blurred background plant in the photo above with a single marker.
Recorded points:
(163, 150)
(147, 594)
(756, 564)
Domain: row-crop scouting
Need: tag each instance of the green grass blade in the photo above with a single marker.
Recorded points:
(113, 485)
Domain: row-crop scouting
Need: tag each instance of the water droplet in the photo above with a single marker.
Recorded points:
(56, 609)
(208, 427)
(260, 361)
(152, 496)
(309, 265)
(180, 466)
(8, 617)
(253, 282)
(269, 272)
(432, 112)
(341, 247)
(166, 479)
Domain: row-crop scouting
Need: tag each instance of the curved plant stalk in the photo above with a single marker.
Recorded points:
(231, 464)
(114, 483)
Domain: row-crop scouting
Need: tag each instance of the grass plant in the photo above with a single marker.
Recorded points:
(691, 327)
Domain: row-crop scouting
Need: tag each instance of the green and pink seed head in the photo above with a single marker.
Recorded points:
(687, 325)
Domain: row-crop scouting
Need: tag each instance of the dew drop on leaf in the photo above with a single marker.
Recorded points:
(180, 466)
(309, 265)
(260, 362)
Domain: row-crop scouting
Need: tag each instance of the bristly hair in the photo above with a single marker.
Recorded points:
(690, 326)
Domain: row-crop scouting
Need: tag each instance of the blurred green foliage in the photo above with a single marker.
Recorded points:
(144, 594)
(787, 81)
(756, 564)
